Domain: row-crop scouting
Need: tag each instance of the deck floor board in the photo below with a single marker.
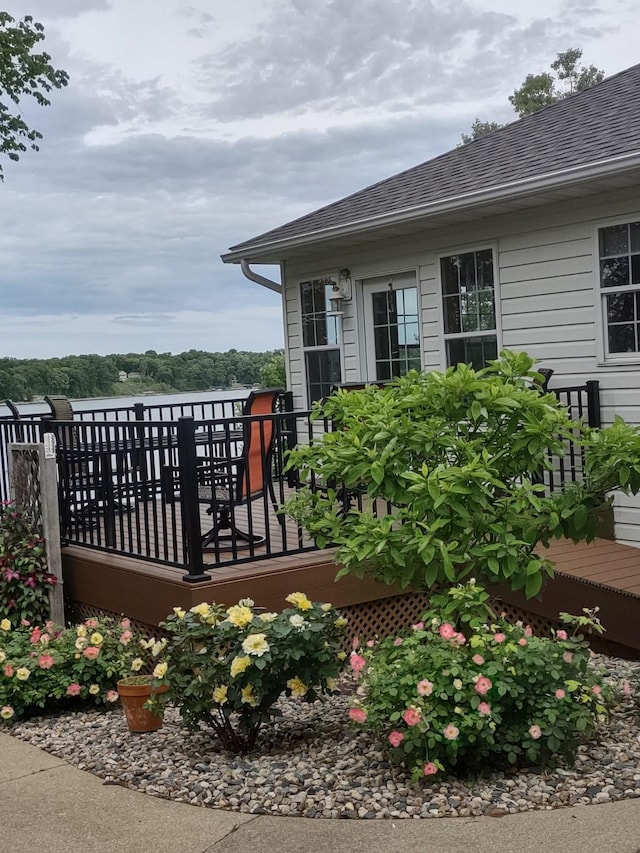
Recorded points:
(603, 562)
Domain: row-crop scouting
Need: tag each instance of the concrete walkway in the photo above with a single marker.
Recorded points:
(46, 804)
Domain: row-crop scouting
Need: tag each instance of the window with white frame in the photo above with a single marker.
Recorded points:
(469, 308)
(319, 338)
(619, 255)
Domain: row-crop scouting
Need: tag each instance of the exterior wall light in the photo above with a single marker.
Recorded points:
(340, 293)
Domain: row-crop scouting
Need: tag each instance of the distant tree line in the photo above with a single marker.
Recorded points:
(98, 376)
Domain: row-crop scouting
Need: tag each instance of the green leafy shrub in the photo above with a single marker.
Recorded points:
(493, 697)
(24, 578)
(441, 474)
(228, 667)
(47, 667)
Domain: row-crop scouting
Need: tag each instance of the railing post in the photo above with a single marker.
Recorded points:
(290, 435)
(138, 456)
(593, 403)
(108, 498)
(189, 505)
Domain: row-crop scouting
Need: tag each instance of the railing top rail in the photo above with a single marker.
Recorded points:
(176, 404)
(199, 422)
(568, 388)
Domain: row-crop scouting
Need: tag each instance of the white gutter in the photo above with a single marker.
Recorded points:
(571, 175)
(259, 279)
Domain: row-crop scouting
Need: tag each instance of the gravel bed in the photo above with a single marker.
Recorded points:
(313, 763)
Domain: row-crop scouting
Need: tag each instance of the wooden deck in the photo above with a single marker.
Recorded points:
(602, 574)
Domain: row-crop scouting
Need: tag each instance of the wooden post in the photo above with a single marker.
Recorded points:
(46, 510)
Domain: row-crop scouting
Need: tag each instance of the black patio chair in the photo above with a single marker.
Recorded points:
(86, 478)
(61, 408)
(17, 432)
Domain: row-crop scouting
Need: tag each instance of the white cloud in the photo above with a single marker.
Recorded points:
(187, 128)
(47, 336)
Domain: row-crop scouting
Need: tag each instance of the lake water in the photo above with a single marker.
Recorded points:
(185, 397)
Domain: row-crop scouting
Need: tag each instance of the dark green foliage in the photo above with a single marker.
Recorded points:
(541, 90)
(24, 578)
(478, 129)
(446, 467)
(22, 73)
(96, 375)
(273, 374)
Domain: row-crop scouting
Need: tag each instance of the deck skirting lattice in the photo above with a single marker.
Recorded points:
(374, 620)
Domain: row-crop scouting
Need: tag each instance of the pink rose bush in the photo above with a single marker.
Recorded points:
(25, 580)
(45, 666)
(490, 695)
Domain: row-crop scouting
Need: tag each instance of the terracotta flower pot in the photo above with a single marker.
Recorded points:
(133, 695)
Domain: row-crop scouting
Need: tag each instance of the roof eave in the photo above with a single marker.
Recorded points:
(501, 192)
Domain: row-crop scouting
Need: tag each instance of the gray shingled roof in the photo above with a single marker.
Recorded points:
(594, 125)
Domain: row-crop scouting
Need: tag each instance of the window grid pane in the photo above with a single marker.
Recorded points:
(319, 330)
(619, 247)
(468, 286)
(323, 372)
(396, 336)
(474, 351)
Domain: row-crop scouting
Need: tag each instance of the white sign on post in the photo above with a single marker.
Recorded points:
(49, 445)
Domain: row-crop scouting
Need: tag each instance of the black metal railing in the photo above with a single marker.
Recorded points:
(199, 410)
(583, 405)
(29, 426)
(149, 489)
(13, 431)
(197, 493)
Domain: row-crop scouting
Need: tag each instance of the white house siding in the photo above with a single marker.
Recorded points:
(547, 267)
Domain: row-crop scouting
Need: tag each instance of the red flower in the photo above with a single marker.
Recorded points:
(395, 738)
(447, 631)
(358, 715)
(357, 662)
(91, 652)
(483, 685)
(411, 716)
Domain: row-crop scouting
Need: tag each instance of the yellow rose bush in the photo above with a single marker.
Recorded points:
(227, 667)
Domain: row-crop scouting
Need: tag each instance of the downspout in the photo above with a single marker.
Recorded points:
(277, 288)
(259, 279)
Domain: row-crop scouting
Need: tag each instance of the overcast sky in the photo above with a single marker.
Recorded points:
(190, 126)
